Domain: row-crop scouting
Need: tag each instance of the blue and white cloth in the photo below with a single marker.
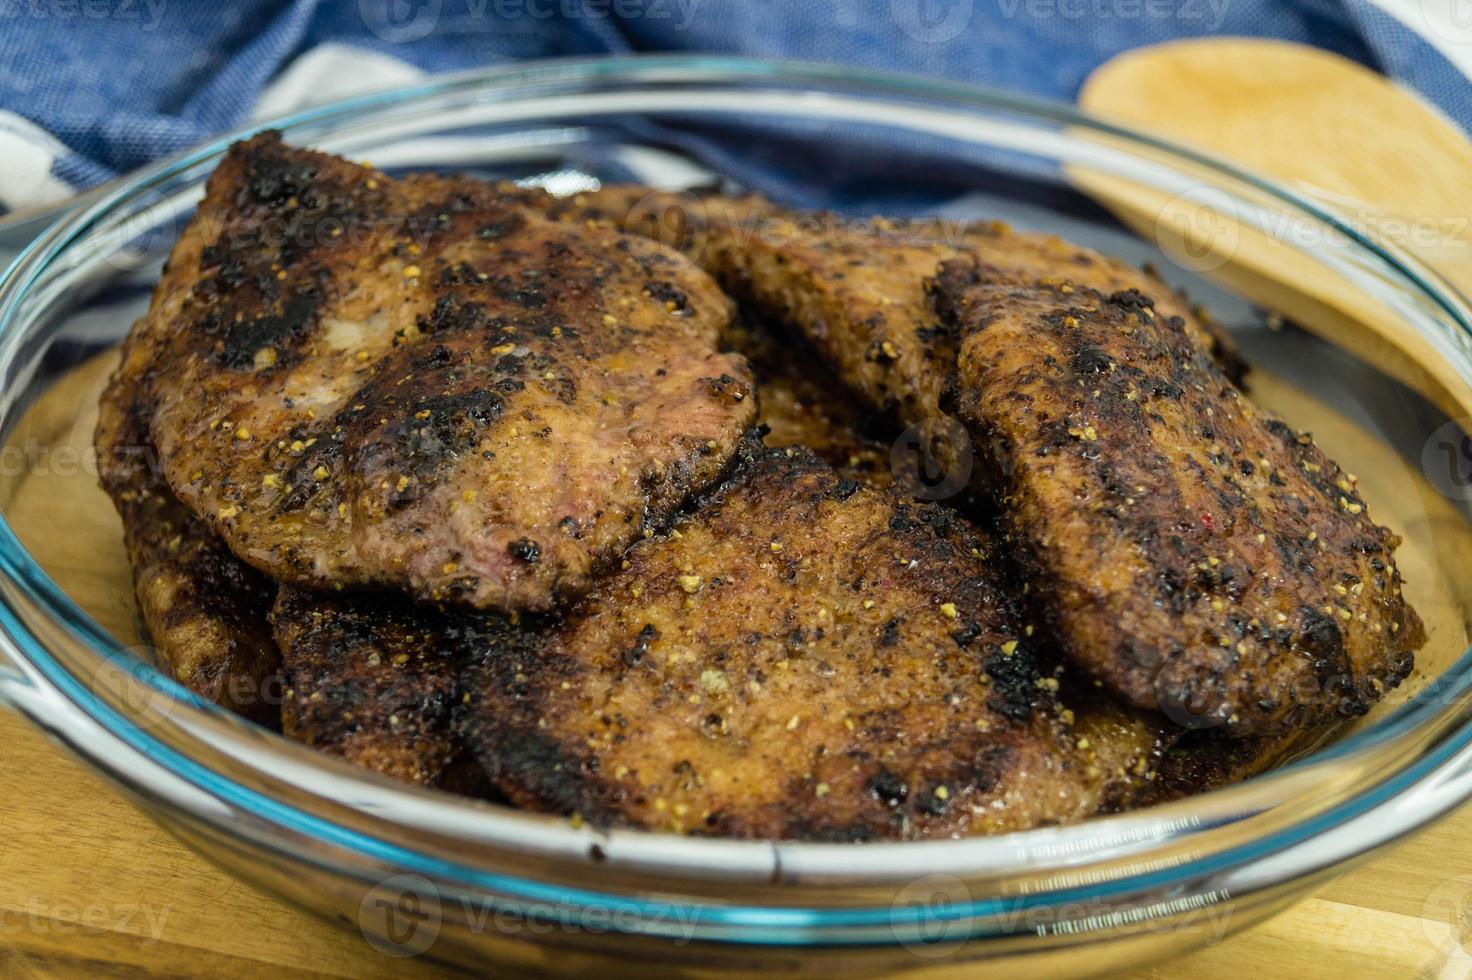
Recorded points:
(93, 88)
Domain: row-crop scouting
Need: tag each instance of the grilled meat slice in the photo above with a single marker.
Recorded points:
(424, 384)
(801, 657)
(1192, 551)
(373, 679)
(203, 608)
(856, 290)
(859, 295)
(370, 678)
(855, 287)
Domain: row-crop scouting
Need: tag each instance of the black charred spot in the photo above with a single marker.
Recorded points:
(1280, 429)
(452, 313)
(244, 338)
(1320, 636)
(525, 550)
(674, 300)
(724, 387)
(1014, 681)
(888, 788)
(1091, 360)
(1132, 299)
(273, 180)
(1164, 389)
(500, 228)
(881, 352)
(967, 634)
(548, 772)
(820, 833)
(442, 427)
(634, 655)
(529, 291)
(935, 801)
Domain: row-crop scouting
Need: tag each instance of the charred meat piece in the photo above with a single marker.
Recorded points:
(373, 679)
(203, 608)
(1190, 549)
(423, 384)
(855, 287)
(804, 658)
(370, 678)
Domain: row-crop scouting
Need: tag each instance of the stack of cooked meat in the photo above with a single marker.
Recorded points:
(538, 500)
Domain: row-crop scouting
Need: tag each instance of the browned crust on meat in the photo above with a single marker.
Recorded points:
(1191, 550)
(806, 659)
(373, 679)
(203, 608)
(854, 286)
(425, 385)
(805, 656)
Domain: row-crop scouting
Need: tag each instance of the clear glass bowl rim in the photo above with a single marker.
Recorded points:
(831, 865)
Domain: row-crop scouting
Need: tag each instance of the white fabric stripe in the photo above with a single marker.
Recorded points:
(26, 154)
(1446, 25)
(329, 72)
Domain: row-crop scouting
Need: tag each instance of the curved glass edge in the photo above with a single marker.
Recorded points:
(15, 562)
(755, 925)
(711, 69)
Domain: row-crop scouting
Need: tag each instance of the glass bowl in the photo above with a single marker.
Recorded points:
(1348, 336)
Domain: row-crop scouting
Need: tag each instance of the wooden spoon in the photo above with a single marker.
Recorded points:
(1362, 146)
